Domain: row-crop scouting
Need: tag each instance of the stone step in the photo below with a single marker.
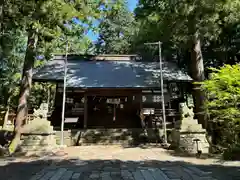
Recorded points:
(105, 136)
(192, 122)
(106, 142)
(192, 126)
(36, 143)
(188, 126)
(36, 148)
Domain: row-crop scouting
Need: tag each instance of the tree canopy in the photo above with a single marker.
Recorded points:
(116, 29)
(44, 22)
(175, 22)
(188, 29)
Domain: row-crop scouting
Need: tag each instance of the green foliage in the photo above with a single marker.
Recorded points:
(79, 43)
(232, 153)
(13, 43)
(116, 29)
(44, 22)
(223, 93)
(42, 93)
(222, 104)
(175, 22)
(52, 21)
(187, 17)
(193, 34)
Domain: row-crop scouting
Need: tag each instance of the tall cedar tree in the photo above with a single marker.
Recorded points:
(12, 47)
(43, 21)
(187, 23)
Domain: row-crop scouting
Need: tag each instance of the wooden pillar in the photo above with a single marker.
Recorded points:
(114, 112)
(85, 111)
(140, 100)
(140, 114)
(56, 95)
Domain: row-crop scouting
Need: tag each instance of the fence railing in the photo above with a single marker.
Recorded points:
(12, 116)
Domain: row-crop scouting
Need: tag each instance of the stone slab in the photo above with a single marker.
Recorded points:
(138, 175)
(58, 174)
(76, 175)
(94, 175)
(107, 177)
(48, 175)
(194, 176)
(147, 175)
(198, 171)
(158, 174)
(38, 175)
(159, 165)
(67, 175)
(126, 173)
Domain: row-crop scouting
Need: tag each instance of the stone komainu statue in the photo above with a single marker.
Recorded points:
(186, 111)
(188, 135)
(42, 111)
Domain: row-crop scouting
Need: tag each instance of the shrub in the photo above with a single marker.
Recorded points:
(222, 105)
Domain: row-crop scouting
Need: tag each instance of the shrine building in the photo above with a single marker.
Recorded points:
(111, 91)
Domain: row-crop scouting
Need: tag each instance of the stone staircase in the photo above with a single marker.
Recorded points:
(189, 124)
(101, 136)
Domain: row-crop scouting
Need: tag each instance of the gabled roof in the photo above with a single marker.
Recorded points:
(109, 74)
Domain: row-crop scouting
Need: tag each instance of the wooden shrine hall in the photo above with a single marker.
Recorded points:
(111, 91)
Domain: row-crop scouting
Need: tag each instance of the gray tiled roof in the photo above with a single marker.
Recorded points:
(107, 74)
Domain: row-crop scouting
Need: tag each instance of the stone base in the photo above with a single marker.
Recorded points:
(33, 142)
(186, 141)
(38, 136)
(190, 137)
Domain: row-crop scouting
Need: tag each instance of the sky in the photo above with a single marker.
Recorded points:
(131, 5)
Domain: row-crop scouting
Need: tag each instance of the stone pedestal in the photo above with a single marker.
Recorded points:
(38, 136)
(188, 135)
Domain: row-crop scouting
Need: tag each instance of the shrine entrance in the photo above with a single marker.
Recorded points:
(112, 112)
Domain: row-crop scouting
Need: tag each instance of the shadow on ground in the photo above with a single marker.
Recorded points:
(12, 170)
(178, 153)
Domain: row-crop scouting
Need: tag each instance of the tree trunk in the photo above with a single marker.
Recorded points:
(1, 15)
(196, 66)
(48, 96)
(197, 73)
(25, 88)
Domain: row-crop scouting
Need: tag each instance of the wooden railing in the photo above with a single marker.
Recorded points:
(12, 116)
(157, 121)
(169, 112)
(30, 117)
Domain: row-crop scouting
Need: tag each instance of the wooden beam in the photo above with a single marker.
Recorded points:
(140, 101)
(112, 92)
(85, 111)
